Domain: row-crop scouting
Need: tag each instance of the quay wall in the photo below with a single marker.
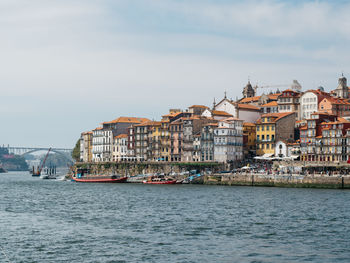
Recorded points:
(135, 168)
(297, 181)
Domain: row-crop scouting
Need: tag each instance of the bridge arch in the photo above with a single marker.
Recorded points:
(64, 154)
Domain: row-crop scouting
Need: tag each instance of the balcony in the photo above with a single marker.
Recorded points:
(265, 140)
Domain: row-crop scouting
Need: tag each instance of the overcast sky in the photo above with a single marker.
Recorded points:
(68, 65)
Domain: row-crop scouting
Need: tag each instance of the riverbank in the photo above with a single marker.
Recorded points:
(292, 181)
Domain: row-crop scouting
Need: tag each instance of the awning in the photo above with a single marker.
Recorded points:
(267, 155)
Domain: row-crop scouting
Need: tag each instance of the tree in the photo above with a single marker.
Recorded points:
(76, 151)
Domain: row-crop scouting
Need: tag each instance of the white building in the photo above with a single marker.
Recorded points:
(82, 148)
(245, 112)
(309, 102)
(120, 148)
(228, 140)
(101, 145)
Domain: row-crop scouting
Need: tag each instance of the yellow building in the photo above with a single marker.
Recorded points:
(273, 127)
(86, 147)
(249, 138)
(154, 144)
(165, 141)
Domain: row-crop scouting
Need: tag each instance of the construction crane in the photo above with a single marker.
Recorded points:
(294, 86)
(38, 172)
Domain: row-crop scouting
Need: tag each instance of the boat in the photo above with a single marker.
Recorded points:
(84, 175)
(137, 178)
(99, 179)
(160, 180)
(48, 176)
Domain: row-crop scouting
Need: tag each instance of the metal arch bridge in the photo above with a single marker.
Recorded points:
(28, 150)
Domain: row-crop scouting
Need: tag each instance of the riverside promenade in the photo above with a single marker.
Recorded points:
(286, 180)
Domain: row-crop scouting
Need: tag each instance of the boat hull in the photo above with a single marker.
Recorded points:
(100, 180)
(160, 182)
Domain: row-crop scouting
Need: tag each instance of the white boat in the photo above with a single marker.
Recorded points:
(46, 176)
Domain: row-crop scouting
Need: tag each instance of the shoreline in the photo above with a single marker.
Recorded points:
(295, 180)
(284, 181)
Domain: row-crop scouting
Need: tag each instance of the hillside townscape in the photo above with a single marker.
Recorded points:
(288, 124)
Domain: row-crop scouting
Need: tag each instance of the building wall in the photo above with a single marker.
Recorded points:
(281, 149)
(248, 115)
(285, 128)
(227, 106)
(308, 104)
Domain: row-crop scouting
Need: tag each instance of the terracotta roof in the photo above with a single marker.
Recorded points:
(220, 113)
(337, 101)
(249, 124)
(248, 107)
(199, 106)
(277, 116)
(148, 123)
(177, 122)
(127, 120)
(273, 96)
(174, 114)
(289, 90)
(270, 104)
(231, 119)
(320, 94)
(97, 129)
(121, 136)
(251, 99)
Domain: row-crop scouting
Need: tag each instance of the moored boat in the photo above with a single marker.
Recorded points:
(100, 179)
(160, 180)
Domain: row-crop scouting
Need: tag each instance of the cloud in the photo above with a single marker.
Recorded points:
(84, 62)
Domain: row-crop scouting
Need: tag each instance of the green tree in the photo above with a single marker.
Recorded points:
(76, 151)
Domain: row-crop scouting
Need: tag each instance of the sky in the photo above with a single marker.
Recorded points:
(68, 65)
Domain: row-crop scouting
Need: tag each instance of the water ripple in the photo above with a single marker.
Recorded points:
(55, 221)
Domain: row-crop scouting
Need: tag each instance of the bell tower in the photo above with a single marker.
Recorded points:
(248, 91)
(342, 90)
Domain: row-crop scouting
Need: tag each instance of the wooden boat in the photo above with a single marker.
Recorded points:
(160, 180)
(100, 179)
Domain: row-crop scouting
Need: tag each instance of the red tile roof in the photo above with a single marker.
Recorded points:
(221, 113)
(270, 104)
(199, 106)
(127, 120)
(121, 136)
(248, 107)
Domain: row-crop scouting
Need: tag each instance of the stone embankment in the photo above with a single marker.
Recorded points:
(136, 168)
(298, 181)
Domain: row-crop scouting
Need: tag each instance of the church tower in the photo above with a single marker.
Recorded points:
(248, 91)
(342, 90)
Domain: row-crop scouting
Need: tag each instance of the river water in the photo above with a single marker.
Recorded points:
(63, 221)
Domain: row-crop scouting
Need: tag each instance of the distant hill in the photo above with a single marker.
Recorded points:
(12, 162)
